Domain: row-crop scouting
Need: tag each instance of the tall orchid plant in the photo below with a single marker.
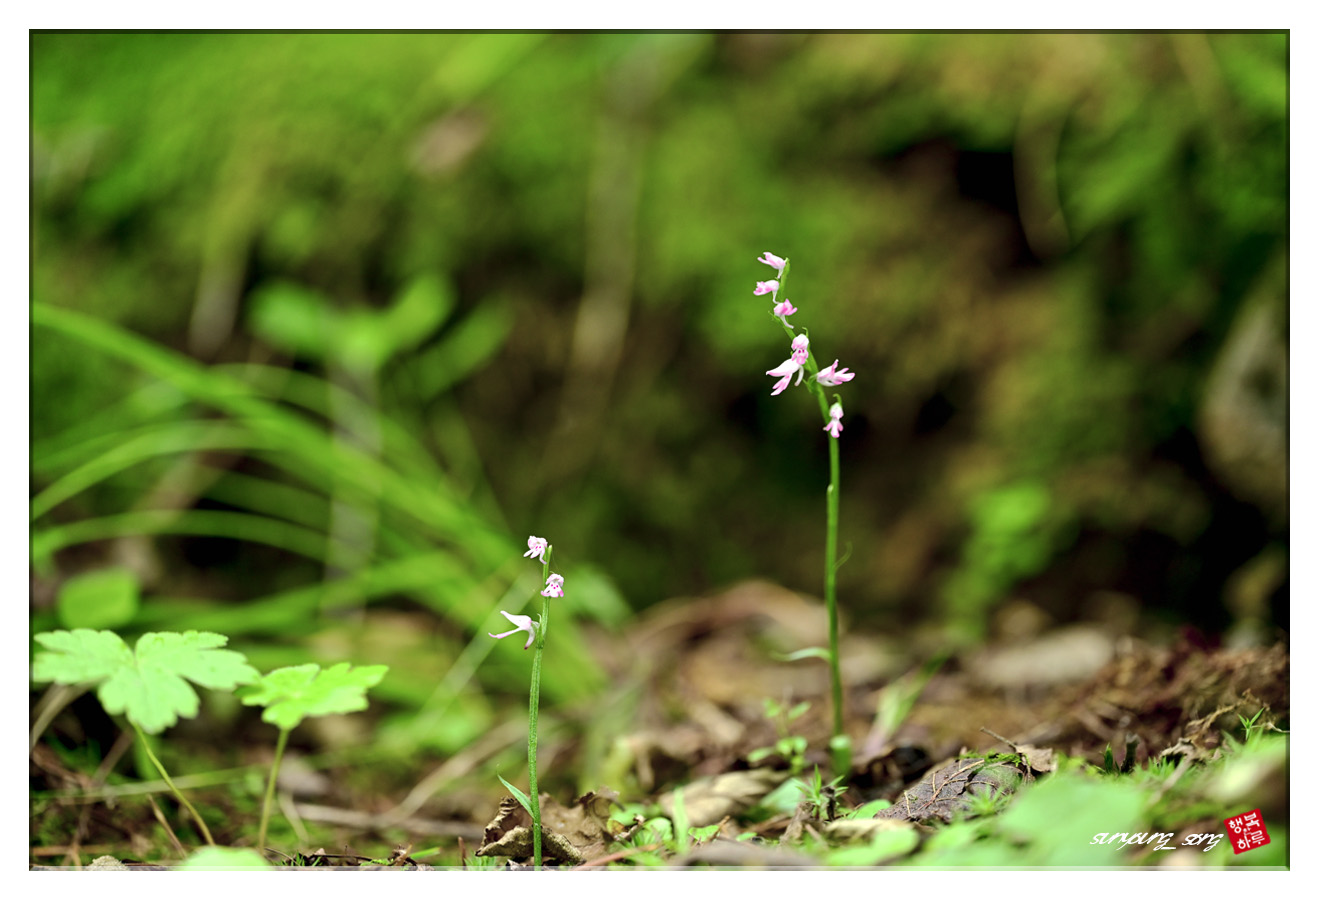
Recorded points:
(539, 549)
(802, 363)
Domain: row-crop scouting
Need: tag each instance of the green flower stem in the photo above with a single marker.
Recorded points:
(533, 713)
(839, 751)
(146, 745)
(270, 789)
(840, 748)
(831, 568)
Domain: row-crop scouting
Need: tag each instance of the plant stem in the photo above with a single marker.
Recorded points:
(840, 746)
(270, 789)
(533, 713)
(146, 745)
(831, 568)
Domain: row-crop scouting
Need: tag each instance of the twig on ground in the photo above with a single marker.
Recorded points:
(452, 769)
(160, 817)
(117, 750)
(353, 818)
(295, 821)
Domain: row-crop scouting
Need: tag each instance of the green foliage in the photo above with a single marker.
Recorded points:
(791, 747)
(149, 683)
(292, 507)
(821, 795)
(293, 693)
(521, 796)
(329, 317)
(1046, 235)
(222, 858)
(898, 698)
(106, 598)
(1010, 539)
(1055, 821)
(882, 847)
(867, 810)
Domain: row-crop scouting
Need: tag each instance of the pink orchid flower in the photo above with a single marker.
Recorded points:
(536, 547)
(784, 309)
(800, 344)
(766, 287)
(835, 428)
(521, 623)
(775, 262)
(784, 372)
(554, 586)
(833, 376)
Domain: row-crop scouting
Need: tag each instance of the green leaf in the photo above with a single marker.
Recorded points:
(294, 319)
(148, 684)
(102, 599)
(292, 693)
(209, 858)
(80, 655)
(517, 795)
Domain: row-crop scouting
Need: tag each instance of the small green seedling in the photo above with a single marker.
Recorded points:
(792, 748)
(293, 693)
(148, 684)
(823, 796)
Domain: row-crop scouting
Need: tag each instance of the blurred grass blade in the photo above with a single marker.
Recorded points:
(205, 523)
(154, 441)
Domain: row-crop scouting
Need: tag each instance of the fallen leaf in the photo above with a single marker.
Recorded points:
(708, 800)
(944, 792)
(569, 835)
(1041, 760)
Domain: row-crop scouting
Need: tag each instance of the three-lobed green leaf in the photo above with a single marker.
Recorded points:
(292, 693)
(148, 684)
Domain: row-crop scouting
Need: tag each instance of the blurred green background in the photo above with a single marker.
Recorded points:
(324, 325)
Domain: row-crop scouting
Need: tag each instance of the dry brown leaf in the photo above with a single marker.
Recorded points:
(708, 800)
(569, 835)
(1041, 760)
(944, 792)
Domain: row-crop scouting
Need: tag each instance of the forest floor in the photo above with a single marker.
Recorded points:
(1050, 746)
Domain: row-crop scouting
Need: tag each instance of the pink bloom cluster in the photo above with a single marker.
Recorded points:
(831, 376)
(783, 308)
(554, 587)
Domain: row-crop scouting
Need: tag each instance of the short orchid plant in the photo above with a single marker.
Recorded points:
(801, 362)
(540, 550)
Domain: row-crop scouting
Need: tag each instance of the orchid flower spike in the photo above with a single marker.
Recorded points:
(784, 309)
(775, 262)
(784, 371)
(832, 375)
(835, 428)
(521, 623)
(766, 287)
(554, 586)
(536, 547)
(799, 345)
